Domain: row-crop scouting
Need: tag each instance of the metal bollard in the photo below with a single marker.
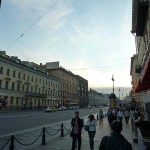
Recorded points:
(97, 116)
(62, 130)
(43, 137)
(12, 146)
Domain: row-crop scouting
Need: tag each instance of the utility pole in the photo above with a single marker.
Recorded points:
(113, 82)
(119, 93)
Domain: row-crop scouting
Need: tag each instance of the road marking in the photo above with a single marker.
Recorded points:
(18, 116)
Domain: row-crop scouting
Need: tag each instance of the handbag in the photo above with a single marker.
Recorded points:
(86, 127)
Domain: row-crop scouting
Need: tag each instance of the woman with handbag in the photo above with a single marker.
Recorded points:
(92, 122)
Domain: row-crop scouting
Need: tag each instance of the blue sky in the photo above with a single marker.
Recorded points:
(91, 38)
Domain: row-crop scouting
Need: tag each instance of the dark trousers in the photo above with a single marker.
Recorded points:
(120, 119)
(75, 138)
(127, 119)
(91, 138)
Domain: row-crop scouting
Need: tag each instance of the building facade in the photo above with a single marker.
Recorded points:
(73, 88)
(96, 99)
(140, 62)
(25, 84)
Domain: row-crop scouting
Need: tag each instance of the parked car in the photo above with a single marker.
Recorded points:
(59, 108)
(50, 109)
(88, 107)
(100, 106)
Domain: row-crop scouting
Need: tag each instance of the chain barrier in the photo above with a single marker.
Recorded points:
(5, 144)
(54, 133)
(13, 138)
(29, 143)
(67, 129)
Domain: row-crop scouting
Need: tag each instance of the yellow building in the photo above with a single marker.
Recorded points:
(73, 88)
(26, 84)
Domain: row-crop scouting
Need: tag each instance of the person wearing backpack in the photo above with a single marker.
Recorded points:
(116, 141)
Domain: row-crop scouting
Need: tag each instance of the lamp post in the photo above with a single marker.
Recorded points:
(113, 82)
(112, 96)
(119, 93)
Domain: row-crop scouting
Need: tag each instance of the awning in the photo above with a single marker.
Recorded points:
(143, 83)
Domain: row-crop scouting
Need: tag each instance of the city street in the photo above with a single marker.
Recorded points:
(20, 121)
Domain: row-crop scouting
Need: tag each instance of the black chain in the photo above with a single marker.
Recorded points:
(54, 133)
(29, 143)
(5, 144)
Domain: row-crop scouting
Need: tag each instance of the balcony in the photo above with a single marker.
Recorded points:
(30, 94)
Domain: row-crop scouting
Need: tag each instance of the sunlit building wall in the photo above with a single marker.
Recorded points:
(141, 31)
(25, 84)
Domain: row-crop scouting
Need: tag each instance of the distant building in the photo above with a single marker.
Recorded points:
(96, 99)
(73, 88)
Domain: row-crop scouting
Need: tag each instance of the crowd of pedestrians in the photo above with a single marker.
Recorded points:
(115, 118)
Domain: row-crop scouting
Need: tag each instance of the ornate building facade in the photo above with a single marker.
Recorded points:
(140, 62)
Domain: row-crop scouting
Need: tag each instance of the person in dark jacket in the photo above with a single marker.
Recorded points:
(77, 125)
(116, 141)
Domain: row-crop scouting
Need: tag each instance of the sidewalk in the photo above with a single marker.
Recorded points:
(64, 143)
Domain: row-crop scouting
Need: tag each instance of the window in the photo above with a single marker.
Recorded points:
(8, 72)
(19, 75)
(23, 87)
(1, 70)
(36, 80)
(18, 86)
(32, 79)
(11, 100)
(17, 100)
(28, 77)
(35, 89)
(40, 81)
(31, 89)
(6, 85)
(13, 86)
(0, 84)
(24, 76)
(14, 73)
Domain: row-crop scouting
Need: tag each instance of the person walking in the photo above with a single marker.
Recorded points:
(126, 116)
(101, 116)
(116, 141)
(120, 115)
(77, 125)
(110, 116)
(92, 122)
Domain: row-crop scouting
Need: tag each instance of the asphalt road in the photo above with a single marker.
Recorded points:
(20, 121)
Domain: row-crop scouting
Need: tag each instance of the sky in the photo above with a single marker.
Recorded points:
(91, 38)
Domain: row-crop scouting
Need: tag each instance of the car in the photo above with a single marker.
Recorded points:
(100, 106)
(59, 108)
(50, 109)
(88, 107)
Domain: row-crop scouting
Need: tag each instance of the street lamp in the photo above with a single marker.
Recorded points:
(113, 82)
(112, 96)
(119, 93)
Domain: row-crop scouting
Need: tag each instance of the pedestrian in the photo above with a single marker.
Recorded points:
(116, 141)
(110, 116)
(120, 115)
(126, 116)
(92, 122)
(101, 116)
(77, 125)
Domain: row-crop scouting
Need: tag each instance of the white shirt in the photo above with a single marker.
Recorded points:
(120, 114)
(92, 125)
